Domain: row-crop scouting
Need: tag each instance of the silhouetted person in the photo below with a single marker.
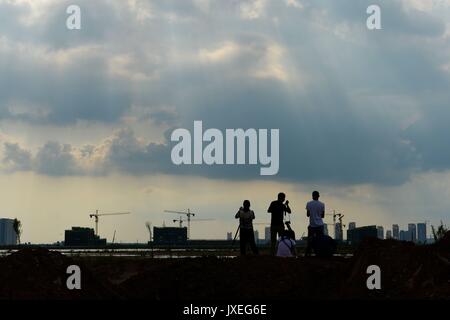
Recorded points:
(289, 230)
(246, 233)
(277, 208)
(315, 210)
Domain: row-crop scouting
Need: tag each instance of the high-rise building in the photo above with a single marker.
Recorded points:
(380, 232)
(267, 234)
(422, 232)
(229, 236)
(395, 231)
(388, 234)
(412, 228)
(406, 235)
(351, 225)
(338, 232)
(7, 234)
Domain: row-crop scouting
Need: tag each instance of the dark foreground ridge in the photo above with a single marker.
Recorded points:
(407, 272)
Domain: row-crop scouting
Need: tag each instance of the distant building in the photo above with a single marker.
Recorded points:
(406, 235)
(412, 228)
(169, 235)
(267, 234)
(380, 232)
(356, 235)
(81, 237)
(422, 232)
(8, 236)
(395, 231)
(229, 236)
(388, 234)
(351, 225)
(338, 236)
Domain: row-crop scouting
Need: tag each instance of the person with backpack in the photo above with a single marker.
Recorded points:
(286, 245)
(246, 233)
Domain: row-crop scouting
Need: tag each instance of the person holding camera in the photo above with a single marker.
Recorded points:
(277, 208)
(246, 233)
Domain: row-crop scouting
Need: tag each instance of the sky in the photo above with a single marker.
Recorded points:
(86, 115)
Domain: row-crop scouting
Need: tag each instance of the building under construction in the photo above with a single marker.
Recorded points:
(169, 235)
(82, 237)
(356, 235)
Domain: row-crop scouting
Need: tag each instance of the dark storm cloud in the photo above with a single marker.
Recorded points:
(55, 159)
(127, 154)
(339, 94)
(15, 158)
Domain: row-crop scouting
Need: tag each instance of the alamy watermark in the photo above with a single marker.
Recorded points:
(374, 280)
(373, 22)
(73, 281)
(240, 147)
(73, 21)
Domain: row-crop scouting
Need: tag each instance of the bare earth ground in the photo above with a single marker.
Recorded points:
(407, 272)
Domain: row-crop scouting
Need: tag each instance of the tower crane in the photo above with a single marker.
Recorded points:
(188, 214)
(339, 216)
(180, 221)
(96, 215)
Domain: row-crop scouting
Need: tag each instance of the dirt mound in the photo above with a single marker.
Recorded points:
(445, 241)
(41, 274)
(407, 271)
(261, 277)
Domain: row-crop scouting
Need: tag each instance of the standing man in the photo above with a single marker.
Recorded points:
(277, 208)
(315, 210)
(246, 233)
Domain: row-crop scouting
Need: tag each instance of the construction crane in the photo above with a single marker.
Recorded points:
(180, 221)
(339, 216)
(96, 215)
(188, 214)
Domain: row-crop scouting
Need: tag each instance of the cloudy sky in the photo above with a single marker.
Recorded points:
(86, 115)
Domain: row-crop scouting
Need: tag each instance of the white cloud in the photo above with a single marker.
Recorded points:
(124, 65)
(141, 9)
(272, 65)
(294, 3)
(36, 10)
(224, 52)
(252, 9)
